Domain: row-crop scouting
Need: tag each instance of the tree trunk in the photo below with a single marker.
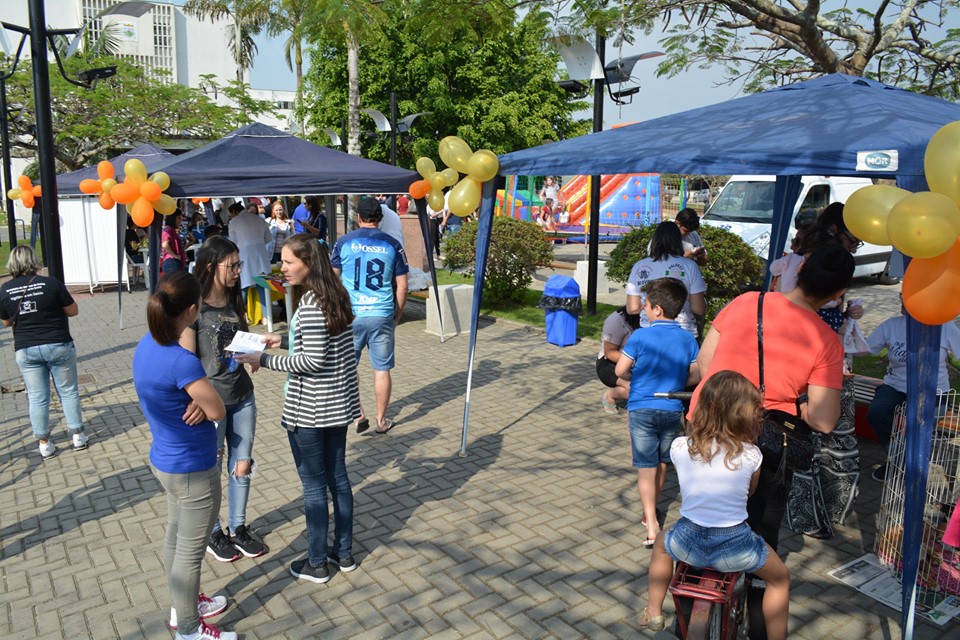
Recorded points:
(353, 95)
(298, 59)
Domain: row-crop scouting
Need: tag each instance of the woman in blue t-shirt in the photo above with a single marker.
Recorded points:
(179, 403)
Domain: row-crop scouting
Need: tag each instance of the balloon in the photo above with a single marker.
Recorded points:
(867, 210)
(465, 197)
(924, 225)
(931, 287)
(142, 212)
(135, 171)
(419, 189)
(104, 169)
(90, 186)
(483, 165)
(107, 184)
(455, 153)
(37, 191)
(162, 179)
(25, 183)
(27, 199)
(941, 162)
(106, 201)
(425, 167)
(13, 194)
(450, 177)
(436, 200)
(165, 205)
(437, 181)
(150, 190)
(125, 192)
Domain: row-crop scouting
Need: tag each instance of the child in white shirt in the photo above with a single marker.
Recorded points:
(718, 467)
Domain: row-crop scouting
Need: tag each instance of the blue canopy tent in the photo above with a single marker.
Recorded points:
(833, 125)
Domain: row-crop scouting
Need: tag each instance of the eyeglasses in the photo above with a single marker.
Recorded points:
(235, 267)
(852, 240)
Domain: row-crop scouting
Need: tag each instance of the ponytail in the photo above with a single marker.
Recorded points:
(175, 294)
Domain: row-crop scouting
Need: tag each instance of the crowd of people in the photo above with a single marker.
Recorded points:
(735, 496)
(198, 396)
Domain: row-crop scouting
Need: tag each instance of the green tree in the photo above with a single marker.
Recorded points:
(494, 87)
(129, 108)
(763, 43)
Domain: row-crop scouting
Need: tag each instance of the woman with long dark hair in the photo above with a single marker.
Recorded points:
(180, 404)
(322, 400)
(666, 261)
(221, 317)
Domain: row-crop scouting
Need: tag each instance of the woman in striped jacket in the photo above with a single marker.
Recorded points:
(321, 400)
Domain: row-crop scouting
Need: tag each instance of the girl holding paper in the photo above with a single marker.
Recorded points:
(221, 317)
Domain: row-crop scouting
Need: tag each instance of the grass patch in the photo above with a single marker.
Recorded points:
(527, 311)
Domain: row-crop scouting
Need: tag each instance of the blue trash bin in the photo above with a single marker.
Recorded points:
(562, 306)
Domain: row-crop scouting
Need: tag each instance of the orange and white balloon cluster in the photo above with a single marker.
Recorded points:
(465, 194)
(923, 225)
(25, 192)
(145, 195)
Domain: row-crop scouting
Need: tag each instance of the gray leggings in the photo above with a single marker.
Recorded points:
(193, 500)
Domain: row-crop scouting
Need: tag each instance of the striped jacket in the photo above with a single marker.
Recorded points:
(322, 390)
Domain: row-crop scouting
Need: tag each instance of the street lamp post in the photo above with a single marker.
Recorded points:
(393, 125)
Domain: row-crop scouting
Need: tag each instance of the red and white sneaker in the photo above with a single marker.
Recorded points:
(206, 632)
(207, 608)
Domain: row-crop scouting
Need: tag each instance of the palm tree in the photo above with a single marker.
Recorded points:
(350, 22)
(249, 18)
(287, 17)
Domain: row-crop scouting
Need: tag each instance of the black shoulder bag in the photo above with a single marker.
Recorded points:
(783, 436)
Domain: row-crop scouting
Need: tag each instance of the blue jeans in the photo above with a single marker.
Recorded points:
(726, 549)
(376, 333)
(320, 456)
(237, 430)
(652, 431)
(880, 413)
(37, 364)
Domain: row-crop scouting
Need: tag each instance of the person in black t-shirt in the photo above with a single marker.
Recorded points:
(38, 308)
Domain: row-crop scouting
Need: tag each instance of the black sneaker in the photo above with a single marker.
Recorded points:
(246, 543)
(220, 548)
(346, 564)
(305, 571)
(880, 473)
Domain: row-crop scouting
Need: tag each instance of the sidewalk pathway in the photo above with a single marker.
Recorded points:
(534, 534)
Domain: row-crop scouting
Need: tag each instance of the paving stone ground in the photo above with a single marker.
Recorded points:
(534, 534)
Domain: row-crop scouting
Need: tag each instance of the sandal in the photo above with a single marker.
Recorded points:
(609, 409)
(655, 623)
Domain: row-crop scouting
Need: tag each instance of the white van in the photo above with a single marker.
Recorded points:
(745, 207)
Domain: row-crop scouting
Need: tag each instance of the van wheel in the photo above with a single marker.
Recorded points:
(887, 279)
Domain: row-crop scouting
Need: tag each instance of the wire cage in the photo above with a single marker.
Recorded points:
(939, 569)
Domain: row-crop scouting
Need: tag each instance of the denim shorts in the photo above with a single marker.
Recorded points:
(726, 549)
(652, 431)
(377, 334)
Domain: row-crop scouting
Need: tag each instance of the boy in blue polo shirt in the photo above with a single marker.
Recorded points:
(659, 358)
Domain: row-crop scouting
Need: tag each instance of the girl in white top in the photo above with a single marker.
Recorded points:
(280, 229)
(718, 468)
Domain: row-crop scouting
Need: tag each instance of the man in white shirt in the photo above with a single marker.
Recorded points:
(390, 224)
(251, 234)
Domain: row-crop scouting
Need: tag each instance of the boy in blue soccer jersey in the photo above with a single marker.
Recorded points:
(373, 269)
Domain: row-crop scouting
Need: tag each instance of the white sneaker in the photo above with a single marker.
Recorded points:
(206, 632)
(80, 441)
(48, 450)
(207, 608)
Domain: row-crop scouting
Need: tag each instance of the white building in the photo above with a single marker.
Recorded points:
(164, 39)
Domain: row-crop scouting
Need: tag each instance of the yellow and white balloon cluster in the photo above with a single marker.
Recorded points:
(146, 195)
(923, 225)
(478, 166)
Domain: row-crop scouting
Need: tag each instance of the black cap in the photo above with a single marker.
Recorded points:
(369, 209)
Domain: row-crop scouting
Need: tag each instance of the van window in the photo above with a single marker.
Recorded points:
(744, 202)
(816, 201)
